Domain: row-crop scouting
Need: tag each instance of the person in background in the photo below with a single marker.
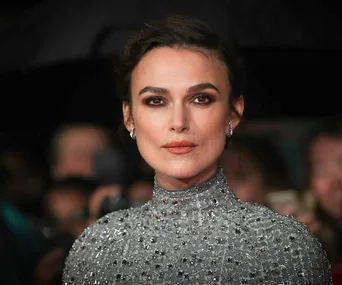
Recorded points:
(110, 173)
(254, 167)
(16, 215)
(26, 181)
(66, 204)
(106, 199)
(66, 217)
(12, 269)
(73, 147)
(321, 199)
(140, 191)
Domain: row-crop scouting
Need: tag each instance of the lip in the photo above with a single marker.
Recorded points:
(179, 144)
(179, 147)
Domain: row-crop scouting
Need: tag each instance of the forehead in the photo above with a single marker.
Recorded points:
(82, 136)
(326, 148)
(171, 67)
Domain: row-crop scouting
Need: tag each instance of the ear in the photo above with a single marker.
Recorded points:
(235, 118)
(127, 116)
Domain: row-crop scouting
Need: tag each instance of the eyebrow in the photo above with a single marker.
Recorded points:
(195, 88)
(202, 86)
(155, 90)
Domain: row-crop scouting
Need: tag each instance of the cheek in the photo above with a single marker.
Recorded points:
(147, 121)
(215, 117)
(212, 125)
(320, 187)
(149, 132)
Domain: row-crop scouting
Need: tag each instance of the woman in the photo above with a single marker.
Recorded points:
(184, 99)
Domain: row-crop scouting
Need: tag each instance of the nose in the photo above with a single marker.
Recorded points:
(179, 121)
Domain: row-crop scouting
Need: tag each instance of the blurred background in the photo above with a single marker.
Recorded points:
(65, 159)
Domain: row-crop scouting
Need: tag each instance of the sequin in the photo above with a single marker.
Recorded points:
(200, 235)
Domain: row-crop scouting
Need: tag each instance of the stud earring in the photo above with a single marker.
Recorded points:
(132, 133)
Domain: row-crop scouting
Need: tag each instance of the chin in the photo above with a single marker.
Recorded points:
(181, 173)
(182, 169)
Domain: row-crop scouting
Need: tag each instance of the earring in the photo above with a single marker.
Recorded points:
(132, 133)
(230, 131)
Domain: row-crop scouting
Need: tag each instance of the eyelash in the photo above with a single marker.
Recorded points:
(208, 99)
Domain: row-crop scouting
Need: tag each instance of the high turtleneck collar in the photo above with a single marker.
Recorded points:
(211, 191)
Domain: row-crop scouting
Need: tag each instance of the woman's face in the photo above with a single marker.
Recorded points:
(180, 113)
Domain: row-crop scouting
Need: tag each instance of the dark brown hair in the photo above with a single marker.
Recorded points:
(178, 32)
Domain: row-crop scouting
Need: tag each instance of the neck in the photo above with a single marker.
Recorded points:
(175, 183)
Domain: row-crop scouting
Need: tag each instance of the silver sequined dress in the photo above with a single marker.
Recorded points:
(202, 235)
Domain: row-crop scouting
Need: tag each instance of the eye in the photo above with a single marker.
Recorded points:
(202, 99)
(155, 101)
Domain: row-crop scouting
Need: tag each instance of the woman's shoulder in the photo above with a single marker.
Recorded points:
(113, 224)
(104, 236)
(286, 238)
(268, 222)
